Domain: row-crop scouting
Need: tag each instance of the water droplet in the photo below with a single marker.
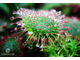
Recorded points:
(12, 18)
(37, 45)
(20, 38)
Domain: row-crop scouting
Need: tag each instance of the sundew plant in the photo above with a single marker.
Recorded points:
(42, 26)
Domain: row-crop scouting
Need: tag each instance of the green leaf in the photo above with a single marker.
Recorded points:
(4, 7)
(76, 54)
(48, 6)
(51, 5)
(31, 5)
(66, 10)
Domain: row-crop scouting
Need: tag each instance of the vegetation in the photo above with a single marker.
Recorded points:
(39, 30)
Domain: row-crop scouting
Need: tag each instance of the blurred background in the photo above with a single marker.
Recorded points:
(71, 11)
